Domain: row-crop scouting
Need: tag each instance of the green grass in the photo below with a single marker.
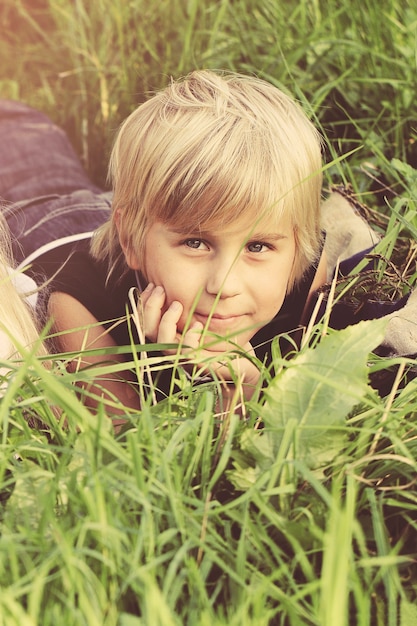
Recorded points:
(89, 64)
(184, 519)
(181, 518)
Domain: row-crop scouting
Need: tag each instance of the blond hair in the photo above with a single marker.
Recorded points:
(206, 150)
(17, 318)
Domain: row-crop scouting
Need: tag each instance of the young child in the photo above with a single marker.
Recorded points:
(215, 219)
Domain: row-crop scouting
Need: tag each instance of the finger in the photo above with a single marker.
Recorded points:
(167, 332)
(152, 312)
(228, 365)
(191, 338)
(146, 293)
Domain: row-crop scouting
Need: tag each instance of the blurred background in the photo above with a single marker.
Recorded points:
(351, 63)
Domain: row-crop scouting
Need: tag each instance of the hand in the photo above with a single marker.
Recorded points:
(160, 325)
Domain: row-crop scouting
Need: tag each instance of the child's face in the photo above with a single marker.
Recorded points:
(233, 279)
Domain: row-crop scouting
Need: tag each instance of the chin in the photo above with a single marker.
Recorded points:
(211, 344)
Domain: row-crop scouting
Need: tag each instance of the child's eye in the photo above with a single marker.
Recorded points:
(257, 246)
(195, 244)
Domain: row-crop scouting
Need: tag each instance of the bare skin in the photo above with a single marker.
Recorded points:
(68, 313)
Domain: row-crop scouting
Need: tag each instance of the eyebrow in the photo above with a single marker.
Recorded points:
(268, 236)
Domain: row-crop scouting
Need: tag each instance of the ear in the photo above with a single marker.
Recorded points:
(130, 255)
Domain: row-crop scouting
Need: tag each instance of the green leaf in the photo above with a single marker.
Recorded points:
(253, 445)
(407, 171)
(307, 404)
(319, 389)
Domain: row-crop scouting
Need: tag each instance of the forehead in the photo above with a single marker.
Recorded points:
(241, 225)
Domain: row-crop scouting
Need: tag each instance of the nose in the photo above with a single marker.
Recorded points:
(224, 279)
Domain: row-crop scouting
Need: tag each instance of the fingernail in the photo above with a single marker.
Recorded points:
(149, 287)
(175, 306)
(159, 290)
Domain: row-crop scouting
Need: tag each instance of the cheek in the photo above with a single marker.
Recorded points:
(175, 288)
(271, 295)
(157, 269)
(179, 283)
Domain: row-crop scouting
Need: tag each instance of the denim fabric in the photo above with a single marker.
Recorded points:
(45, 193)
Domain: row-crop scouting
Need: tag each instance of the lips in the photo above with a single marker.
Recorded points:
(218, 322)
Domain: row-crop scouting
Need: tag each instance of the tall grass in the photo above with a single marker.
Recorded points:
(183, 518)
(89, 64)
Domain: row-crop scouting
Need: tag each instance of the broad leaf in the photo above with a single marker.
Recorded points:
(307, 404)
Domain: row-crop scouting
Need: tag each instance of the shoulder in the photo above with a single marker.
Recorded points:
(72, 270)
(69, 268)
(61, 256)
